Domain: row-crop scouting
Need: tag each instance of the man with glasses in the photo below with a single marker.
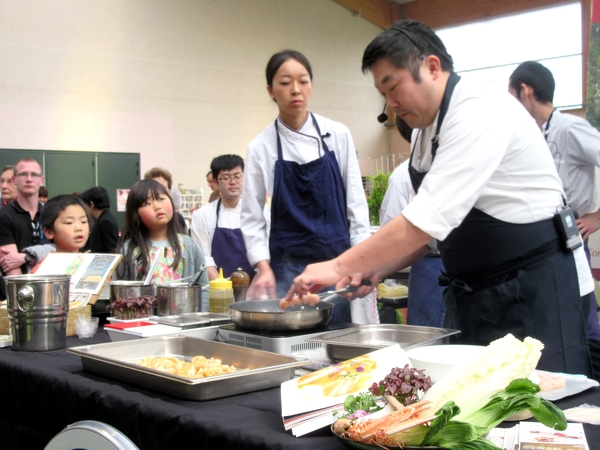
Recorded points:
(216, 226)
(20, 221)
(9, 189)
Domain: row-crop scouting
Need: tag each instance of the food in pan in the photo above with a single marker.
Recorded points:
(198, 367)
(310, 299)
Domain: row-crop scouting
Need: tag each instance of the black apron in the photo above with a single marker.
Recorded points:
(228, 249)
(511, 278)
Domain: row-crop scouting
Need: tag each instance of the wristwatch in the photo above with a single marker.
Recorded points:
(28, 258)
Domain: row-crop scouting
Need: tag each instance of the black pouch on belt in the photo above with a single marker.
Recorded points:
(567, 228)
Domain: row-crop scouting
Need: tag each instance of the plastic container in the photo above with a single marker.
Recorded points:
(220, 294)
(240, 281)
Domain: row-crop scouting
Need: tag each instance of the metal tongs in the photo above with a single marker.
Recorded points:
(197, 275)
(347, 288)
(153, 266)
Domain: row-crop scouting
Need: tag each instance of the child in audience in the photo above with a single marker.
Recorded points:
(65, 222)
(150, 232)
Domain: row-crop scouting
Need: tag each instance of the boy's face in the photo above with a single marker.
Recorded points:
(71, 230)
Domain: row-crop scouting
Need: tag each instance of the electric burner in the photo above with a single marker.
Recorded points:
(282, 342)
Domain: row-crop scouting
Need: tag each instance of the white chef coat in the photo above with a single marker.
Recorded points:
(204, 221)
(575, 148)
(301, 146)
(398, 194)
(492, 157)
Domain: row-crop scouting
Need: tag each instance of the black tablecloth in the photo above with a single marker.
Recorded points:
(43, 392)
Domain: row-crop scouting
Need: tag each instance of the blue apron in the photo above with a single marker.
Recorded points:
(228, 249)
(308, 214)
(511, 278)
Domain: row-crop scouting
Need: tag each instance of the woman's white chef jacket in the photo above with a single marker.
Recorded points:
(301, 146)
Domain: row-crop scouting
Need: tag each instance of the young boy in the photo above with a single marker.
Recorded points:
(65, 222)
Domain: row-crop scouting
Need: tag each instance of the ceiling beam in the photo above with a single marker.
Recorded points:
(382, 13)
(441, 13)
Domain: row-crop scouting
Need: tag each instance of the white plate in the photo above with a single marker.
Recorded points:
(574, 385)
(5, 340)
(141, 319)
(151, 330)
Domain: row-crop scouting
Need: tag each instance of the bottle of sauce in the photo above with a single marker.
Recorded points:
(240, 280)
(220, 294)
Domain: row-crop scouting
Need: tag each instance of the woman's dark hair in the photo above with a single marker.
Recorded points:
(225, 162)
(55, 206)
(137, 234)
(537, 77)
(279, 58)
(406, 44)
(98, 195)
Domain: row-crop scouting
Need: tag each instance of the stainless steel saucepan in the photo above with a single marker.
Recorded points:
(266, 315)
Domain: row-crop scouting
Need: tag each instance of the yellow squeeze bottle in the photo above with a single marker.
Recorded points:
(220, 294)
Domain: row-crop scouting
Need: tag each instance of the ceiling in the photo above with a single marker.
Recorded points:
(441, 13)
(444, 13)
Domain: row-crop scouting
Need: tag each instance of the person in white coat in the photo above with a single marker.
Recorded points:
(308, 165)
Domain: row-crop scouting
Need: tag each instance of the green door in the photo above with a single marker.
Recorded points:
(68, 172)
(118, 171)
(10, 156)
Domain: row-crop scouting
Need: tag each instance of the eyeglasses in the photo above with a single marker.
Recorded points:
(29, 174)
(3, 181)
(236, 176)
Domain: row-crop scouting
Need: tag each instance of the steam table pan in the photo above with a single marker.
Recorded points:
(116, 360)
(349, 343)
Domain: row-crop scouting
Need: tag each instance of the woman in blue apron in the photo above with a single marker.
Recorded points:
(307, 164)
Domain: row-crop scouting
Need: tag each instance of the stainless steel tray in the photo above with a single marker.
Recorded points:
(351, 342)
(183, 321)
(214, 318)
(116, 360)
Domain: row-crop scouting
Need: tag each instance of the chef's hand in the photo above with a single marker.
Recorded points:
(11, 259)
(588, 224)
(263, 284)
(317, 276)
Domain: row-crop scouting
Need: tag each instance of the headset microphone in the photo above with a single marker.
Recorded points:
(383, 117)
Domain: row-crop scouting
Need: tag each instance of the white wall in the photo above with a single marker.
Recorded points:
(179, 81)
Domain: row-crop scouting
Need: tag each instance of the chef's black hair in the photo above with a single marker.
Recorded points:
(279, 58)
(225, 162)
(55, 206)
(537, 77)
(406, 44)
(98, 195)
(137, 235)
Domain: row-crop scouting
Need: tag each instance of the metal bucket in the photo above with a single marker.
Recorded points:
(38, 306)
(123, 289)
(178, 298)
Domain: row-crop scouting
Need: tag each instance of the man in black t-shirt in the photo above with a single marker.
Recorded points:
(19, 222)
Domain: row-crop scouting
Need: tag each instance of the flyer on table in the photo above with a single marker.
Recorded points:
(331, 385)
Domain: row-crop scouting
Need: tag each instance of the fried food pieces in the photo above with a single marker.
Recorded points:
(198, 367)
(307, 299)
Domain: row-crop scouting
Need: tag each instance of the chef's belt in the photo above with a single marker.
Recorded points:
(484, 251)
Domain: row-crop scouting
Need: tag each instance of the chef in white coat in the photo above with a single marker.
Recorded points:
(487, 190)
